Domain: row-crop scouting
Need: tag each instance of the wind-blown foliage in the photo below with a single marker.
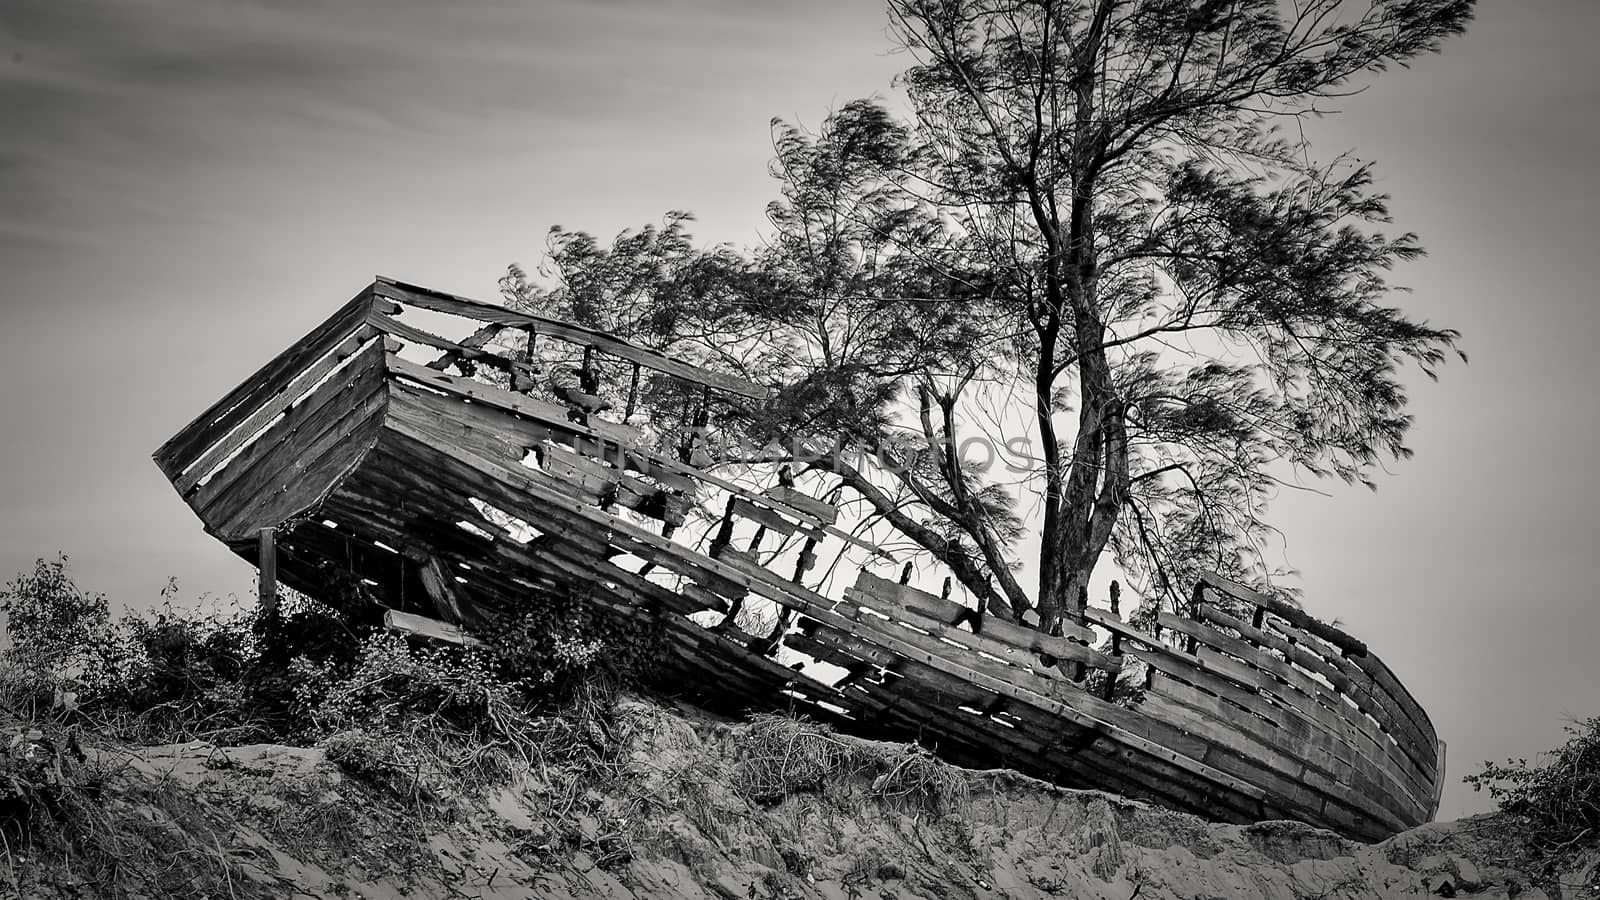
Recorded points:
(1090, 239)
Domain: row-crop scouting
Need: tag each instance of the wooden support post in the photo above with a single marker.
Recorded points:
(755, 542)
(1195, 600)
(694, 454)
(439, 583)
(1116, 637)
(905, 574)
(768, 645)
(633, 394)
(520, 381)
(724, 535)
(1259, 619)
(267, 583)
(1078, 670)
(588, 378)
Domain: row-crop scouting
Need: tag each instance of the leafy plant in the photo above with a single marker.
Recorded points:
(1558, 802)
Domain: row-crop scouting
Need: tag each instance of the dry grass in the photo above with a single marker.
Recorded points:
(779, 756)
(66, 833)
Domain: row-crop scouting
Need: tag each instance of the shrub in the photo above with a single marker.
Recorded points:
(61, 640)
(559, 641)
(1559, 802)
(309, 673)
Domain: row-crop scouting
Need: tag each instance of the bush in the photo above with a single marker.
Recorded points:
(417, 718)
(560, 641)
(1559, 802)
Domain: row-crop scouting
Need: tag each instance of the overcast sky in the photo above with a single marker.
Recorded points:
(188, 186)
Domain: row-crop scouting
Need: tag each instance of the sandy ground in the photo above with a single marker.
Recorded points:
(666, 819)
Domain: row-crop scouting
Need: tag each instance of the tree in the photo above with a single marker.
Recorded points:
(1093, 214)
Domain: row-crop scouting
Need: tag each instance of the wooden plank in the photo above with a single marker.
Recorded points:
(774, 522)
(426, 298)
(500, 435)
(294, 443)
(1417, 743)
(1390, 685)
(1119, 769)
(1361, 688)
(826, 513)
(327, 403)
(441, 588)
(1296, 653)
(916, 600)
(605, 434)
(1347, 720)
(295, 490)
(272, 408)
(657, 463)
(1082, 709)
(233, 408)
(1318, 751)
(296, 467)
(1257, 658)
(1438, 784)
(486, 432)
(1213, 670)
(1263, 763)
(572, 561)
(422, 626)
(999, 638)
(1124, 725)
(1353, 683)
(1291, 614)
(1215, 675)
(1025, 656)
(1185, 668)
(531, 496)
(390, 325)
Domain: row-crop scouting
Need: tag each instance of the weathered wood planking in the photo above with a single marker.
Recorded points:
(453, 350)
(662, 468)
(605, 434)
(272, 408)
(1042, 741)
(1402, 716)
(1250, 688)
(298, 458)
(221, 417)
(1288, 685)
(1018, 646)
(1291, 614)
(1292, 718)
(413, 295)
(422, 626)
(1117, 721)
(1410, 724)
(419, 467)
(1352, 684)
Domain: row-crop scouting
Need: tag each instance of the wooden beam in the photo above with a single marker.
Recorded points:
(267, 583)
(657, 465)
(454, 352)
(438, 301)
(422, 626)
(1295, 616)
(222, 416)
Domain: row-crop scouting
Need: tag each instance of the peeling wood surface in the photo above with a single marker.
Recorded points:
(441, 498)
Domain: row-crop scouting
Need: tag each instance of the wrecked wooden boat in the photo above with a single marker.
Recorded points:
(448, 478)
